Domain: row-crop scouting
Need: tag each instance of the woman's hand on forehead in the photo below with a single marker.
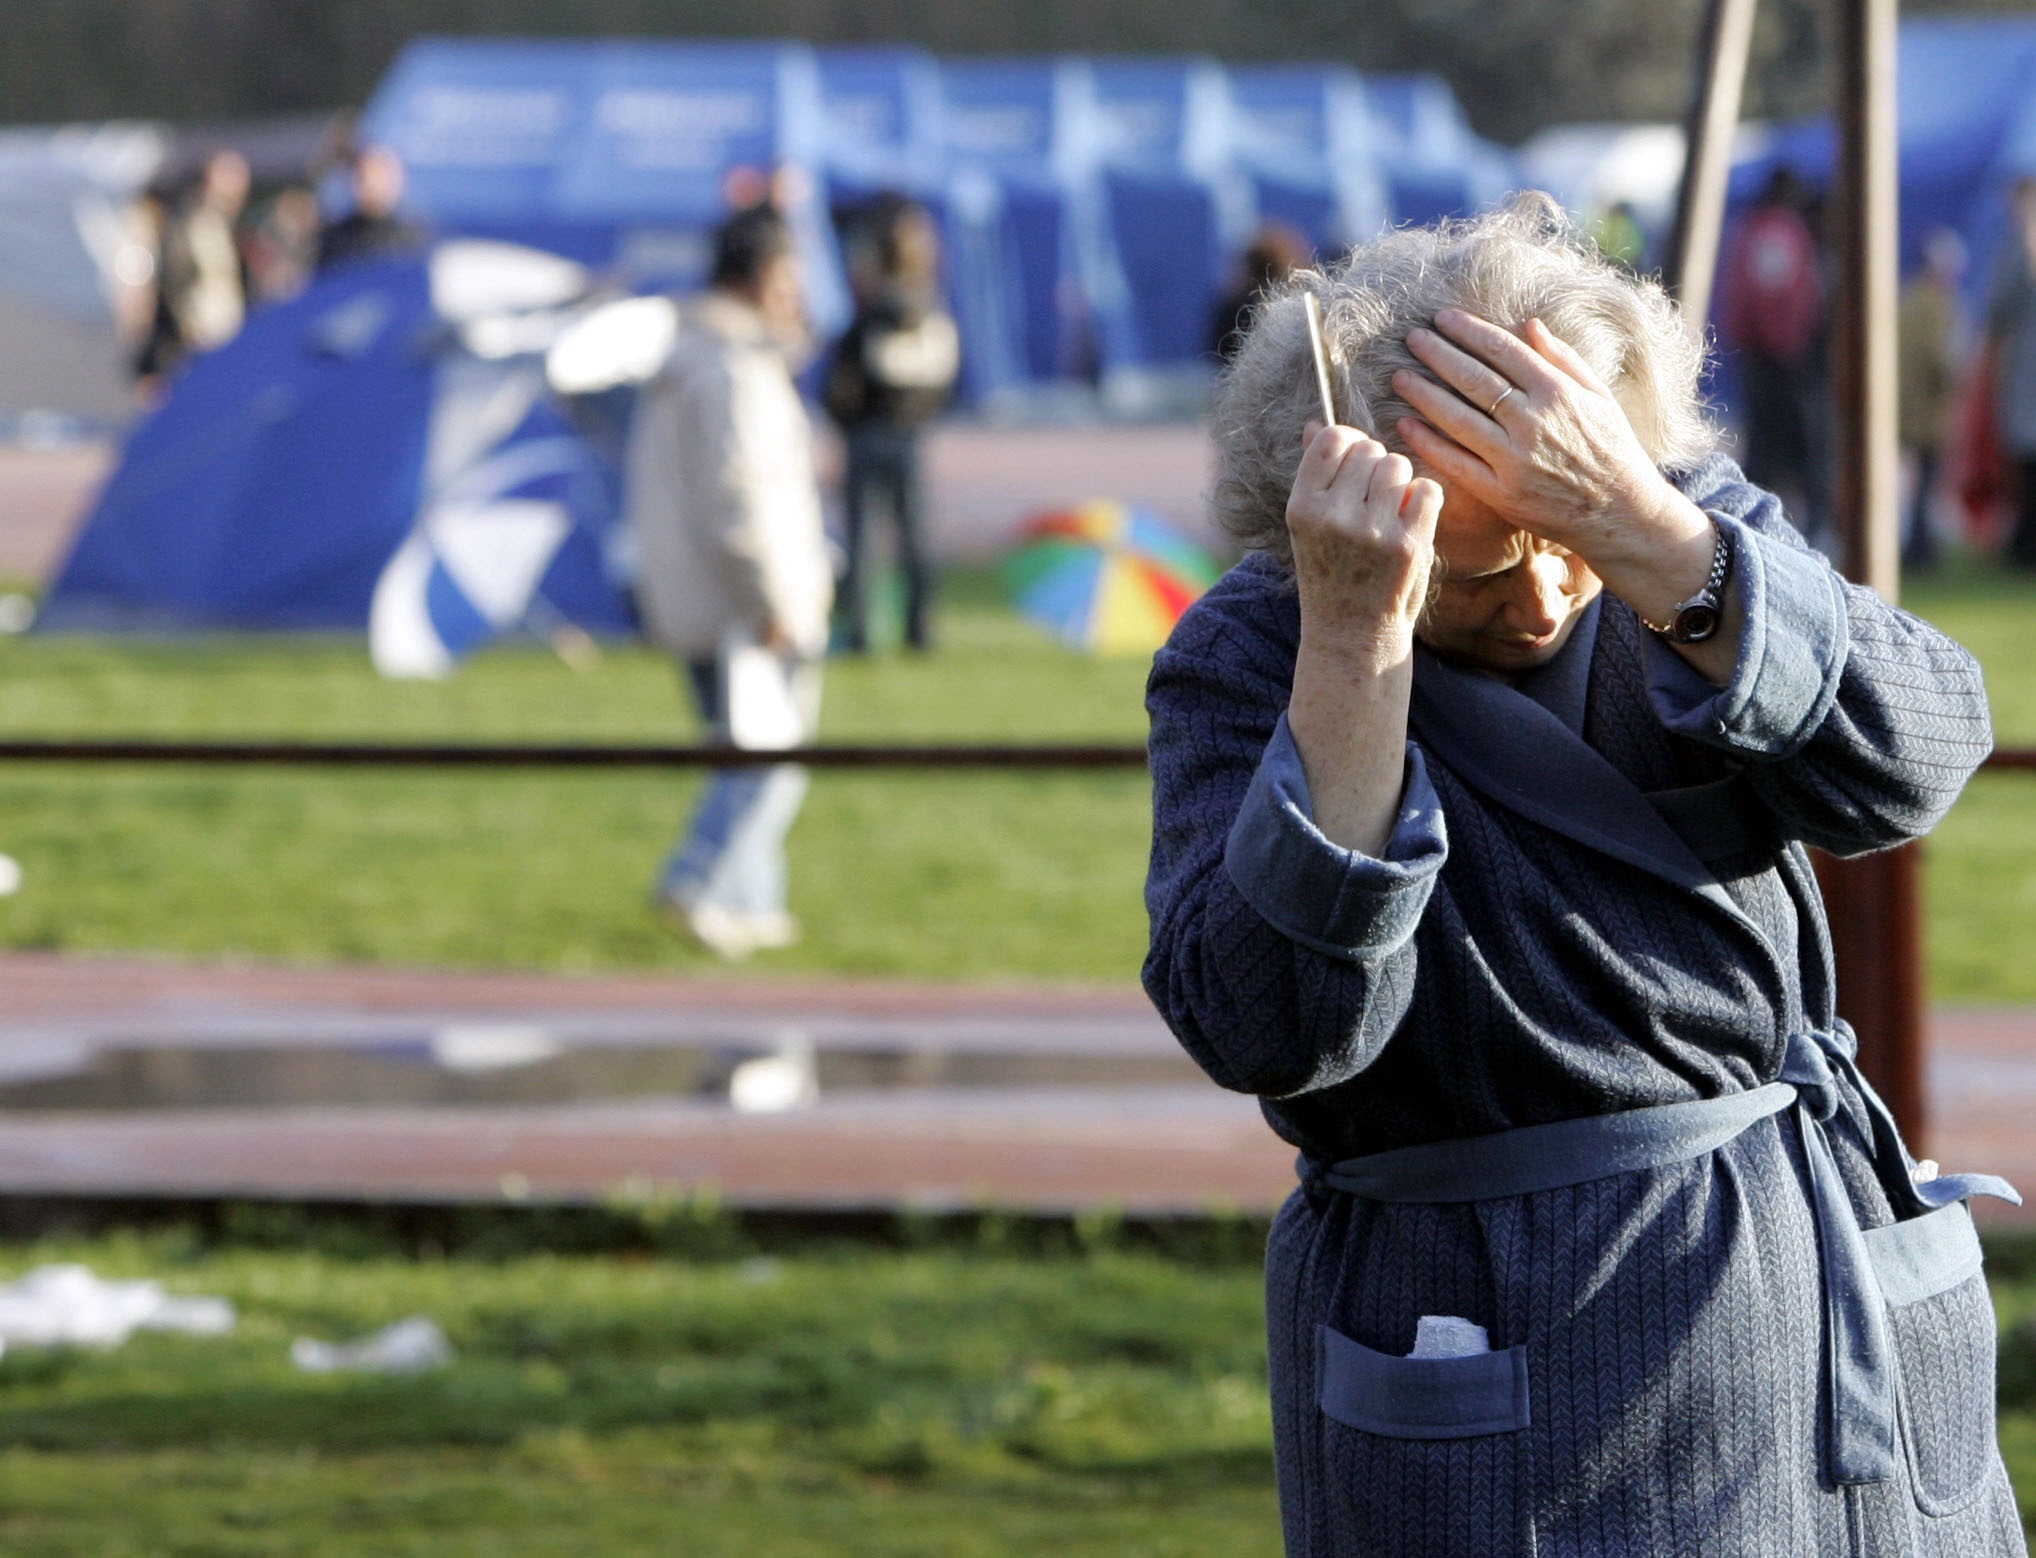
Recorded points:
(1525, 425)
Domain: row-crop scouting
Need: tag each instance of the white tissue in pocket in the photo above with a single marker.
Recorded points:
(1449, 1336)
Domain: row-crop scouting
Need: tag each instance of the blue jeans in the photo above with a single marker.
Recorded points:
(883, 476)
(732, 855)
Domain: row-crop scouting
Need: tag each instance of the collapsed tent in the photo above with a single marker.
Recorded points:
(383, 440)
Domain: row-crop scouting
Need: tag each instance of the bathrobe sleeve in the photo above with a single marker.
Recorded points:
(1858, 724)
(1282, 961)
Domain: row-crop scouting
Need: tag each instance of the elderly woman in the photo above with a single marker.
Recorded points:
(1482, 791)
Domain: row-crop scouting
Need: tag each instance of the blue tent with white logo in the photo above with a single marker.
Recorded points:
(1436, 165)
(1027, 128)
(389, 410)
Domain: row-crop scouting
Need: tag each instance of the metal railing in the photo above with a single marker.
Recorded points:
(420, 754)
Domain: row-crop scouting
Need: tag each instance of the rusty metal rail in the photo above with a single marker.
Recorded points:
(373, 754)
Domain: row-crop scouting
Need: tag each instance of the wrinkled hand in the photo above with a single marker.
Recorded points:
(1528, 428)
(1363, 529)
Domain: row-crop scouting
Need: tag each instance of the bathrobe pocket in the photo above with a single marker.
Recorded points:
(1421, 1398)
(1941, 1321)
(1422, 1457)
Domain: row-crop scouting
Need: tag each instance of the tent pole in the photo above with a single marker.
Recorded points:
(1873, 900)
(1692, 259)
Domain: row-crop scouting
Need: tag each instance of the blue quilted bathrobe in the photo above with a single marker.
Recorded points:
(1564, 1064)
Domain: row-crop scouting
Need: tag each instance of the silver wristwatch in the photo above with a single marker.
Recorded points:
(1697, 618)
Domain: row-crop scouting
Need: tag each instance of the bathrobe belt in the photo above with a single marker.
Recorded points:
(1861, 1271)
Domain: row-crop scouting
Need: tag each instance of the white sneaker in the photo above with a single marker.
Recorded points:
(724, 932)
(772, 931)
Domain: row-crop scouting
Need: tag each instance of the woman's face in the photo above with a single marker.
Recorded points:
(1505, 601)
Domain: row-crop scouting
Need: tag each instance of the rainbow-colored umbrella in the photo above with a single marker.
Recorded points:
(1107, 577)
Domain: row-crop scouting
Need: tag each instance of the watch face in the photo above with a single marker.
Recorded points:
(1695, 623)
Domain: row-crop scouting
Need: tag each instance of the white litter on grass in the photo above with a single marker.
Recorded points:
(10, 876)
(69, 1306)
(408, 1347)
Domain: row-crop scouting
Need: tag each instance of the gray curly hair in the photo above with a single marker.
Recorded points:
(1517, 262)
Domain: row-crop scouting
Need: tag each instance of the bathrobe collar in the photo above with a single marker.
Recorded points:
(1523, 748)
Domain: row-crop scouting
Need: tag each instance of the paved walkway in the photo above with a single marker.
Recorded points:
(927, 1096)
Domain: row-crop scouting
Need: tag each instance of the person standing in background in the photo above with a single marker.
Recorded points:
(1275, 251)
(893, 371)
(201, 287)
(1929, 361)
(373, 227)
(1772, 318)
(2011, 334)
(1620, 237)
(735, 580)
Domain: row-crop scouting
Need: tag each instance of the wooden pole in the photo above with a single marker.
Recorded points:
(1873, 901)
(1692, 260)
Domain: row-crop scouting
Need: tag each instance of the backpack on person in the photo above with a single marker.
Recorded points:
(1774, 288)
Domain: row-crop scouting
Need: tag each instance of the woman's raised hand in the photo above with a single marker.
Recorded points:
(1363, 528)
(1528, 428)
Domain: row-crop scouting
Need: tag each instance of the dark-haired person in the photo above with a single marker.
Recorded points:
(892, 372)
(373, 224)
(1482, 789)
(735, 579)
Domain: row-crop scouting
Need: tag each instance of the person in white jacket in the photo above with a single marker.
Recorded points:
(735, 579)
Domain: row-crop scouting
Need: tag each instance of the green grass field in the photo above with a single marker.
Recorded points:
(818, 1402)
(945, 1401)
(940, 1402)
(942, 876)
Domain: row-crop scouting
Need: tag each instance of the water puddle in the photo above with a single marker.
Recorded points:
(518, 1067)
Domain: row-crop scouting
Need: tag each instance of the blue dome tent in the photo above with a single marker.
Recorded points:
(286, 470)
(1029, 126)
(277, 478)
(1307, 140)
(885, 117)
(1177, 213)
(619, 155)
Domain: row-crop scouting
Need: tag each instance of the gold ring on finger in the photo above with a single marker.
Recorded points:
(1493, 410)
